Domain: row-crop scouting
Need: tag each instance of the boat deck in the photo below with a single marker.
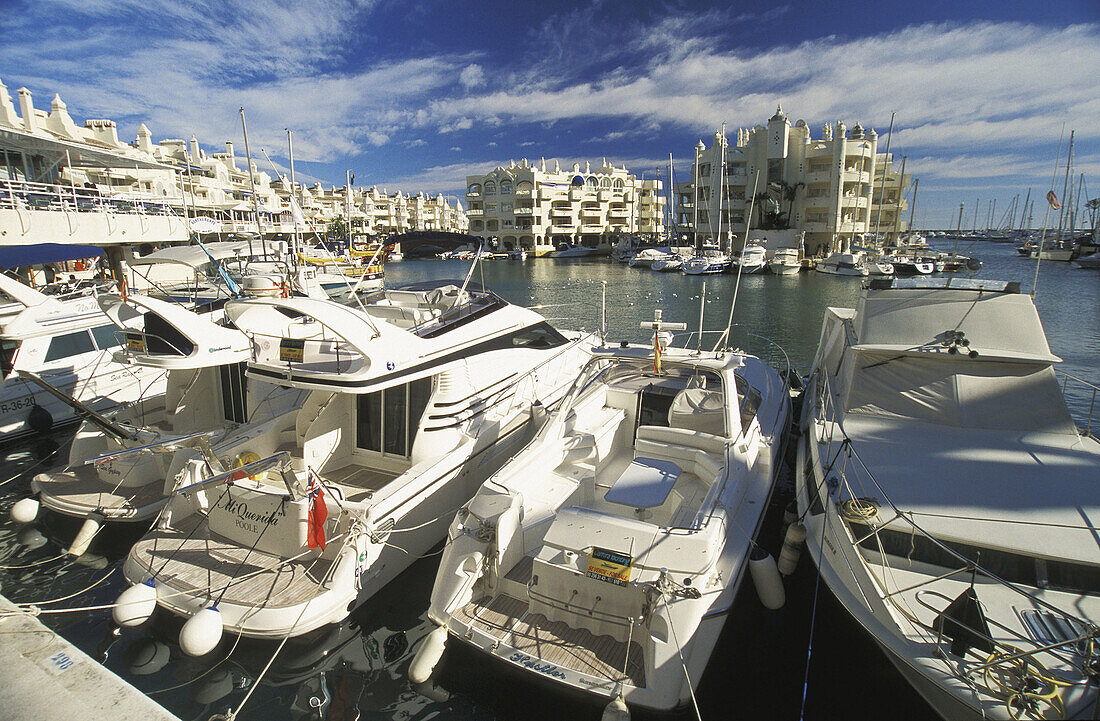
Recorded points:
(358, 482)
(83, 487)
(191, 559)
(510, 620)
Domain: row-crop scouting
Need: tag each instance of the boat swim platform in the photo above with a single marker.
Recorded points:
(191, 559)
(510, 620)
(82, 487)
(43, 677)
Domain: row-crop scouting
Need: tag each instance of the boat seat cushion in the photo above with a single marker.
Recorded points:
(708, 442)
(698, 409)
(698, 462)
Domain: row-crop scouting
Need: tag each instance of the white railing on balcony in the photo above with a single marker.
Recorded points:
(23, 195)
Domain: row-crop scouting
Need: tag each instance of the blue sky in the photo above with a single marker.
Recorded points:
(415, 95)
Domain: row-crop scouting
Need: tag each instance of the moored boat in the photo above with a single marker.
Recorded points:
(943, 483)
(605, 557)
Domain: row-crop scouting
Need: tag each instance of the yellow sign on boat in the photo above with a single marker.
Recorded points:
(610, 566)
(135, 343)
(291, 349)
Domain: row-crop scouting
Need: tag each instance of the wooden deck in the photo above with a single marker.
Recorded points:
(510, 620)
(205, 561)
(84, 487)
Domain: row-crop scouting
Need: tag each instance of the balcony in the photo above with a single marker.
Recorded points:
(39, 213)
(474, 212)
(619, 212)
(524, 211)
(855, 176)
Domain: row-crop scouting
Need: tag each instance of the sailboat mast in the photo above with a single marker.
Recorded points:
(882, 185)
(897, 210)
(1065, 186)
(252, 186)
(913, 205)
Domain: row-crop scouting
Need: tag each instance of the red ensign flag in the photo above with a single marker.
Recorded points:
(318, 513)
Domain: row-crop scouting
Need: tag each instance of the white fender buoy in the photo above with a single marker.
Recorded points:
(147, 656)
(202, 632)
(790, 513)
(135, 605)
(428, 656)
(31, 537)
(616, 710)
(25, 510)
(792, 548)
(85, 535)
(765, 576)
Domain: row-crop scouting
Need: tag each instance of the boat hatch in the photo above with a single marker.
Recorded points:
(1047, 627)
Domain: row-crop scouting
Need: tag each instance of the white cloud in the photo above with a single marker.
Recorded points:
(491, 144)
(377, 138)
(457, 124)
(472, 76)
(456, 149)
(418, 143)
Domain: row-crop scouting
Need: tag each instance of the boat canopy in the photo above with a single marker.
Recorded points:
(14, 256)
(195, 257)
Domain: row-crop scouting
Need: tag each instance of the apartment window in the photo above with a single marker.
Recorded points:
(704, 170)
(505, 187)
(605, 182)
(506, 207)
(386, 421)
(490, 188)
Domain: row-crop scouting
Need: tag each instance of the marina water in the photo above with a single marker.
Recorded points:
(358, 670)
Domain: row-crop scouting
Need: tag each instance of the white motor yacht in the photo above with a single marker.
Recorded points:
(606, 555)
(843, 264)
(565, 250)
(709, 260)
(646, 257)
(117, 468)
(950, 500)
(65, 340)
(417, 395)
(672, 262)
(785, 262)
(753, 259)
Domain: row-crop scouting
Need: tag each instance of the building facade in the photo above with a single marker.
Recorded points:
(53, 167)
(828, 188)
(531, 207)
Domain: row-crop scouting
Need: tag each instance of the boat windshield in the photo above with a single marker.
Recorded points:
(8, 349)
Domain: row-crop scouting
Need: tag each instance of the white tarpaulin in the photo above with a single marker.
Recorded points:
(959, 391)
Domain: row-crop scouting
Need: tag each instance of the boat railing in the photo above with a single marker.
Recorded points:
(1087, 390)
(846, 468)
(26, 195)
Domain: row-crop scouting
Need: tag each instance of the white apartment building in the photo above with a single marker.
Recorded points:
(824, 187)
(142, 192)
(524, 206)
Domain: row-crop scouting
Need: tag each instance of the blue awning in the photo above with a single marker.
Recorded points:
(13, 256)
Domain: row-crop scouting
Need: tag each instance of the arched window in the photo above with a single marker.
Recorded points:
(490, 188)
(592, 183)
(474, 188)
(605, 182)
(618, 184)
(505, 187)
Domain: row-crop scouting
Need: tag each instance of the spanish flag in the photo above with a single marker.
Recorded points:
(656, 353)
